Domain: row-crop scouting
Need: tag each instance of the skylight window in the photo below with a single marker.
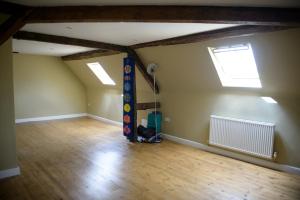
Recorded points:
(101, 74)
(269, 99)
(235, 66)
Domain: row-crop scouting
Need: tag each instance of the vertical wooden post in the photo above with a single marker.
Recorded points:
(129, 99)
(15, 21)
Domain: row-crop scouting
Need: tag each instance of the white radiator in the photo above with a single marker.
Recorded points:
(255, 138)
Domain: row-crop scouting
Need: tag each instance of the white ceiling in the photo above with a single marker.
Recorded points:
(114, 33)
(44, 48)
(265, 3)
(122, 33)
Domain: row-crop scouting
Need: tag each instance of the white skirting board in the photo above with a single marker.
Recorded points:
(69, 116)
(48, 118)
(9, 172)
(105, 120)
(257, 161)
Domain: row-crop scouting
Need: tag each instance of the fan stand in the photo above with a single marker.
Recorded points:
(151, 70)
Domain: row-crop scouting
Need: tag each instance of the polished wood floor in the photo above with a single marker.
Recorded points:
(86, 159)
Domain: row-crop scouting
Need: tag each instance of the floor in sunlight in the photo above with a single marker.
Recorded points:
(87, 159)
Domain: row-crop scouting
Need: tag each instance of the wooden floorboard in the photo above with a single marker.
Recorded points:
(87, 159)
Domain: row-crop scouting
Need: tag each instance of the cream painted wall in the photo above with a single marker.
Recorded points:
(112, 65)
(189, 67)
(191, 90)
(106, 101)
(8, 157)
(189, 113)
(45, 86)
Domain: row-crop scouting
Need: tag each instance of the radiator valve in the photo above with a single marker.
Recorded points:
(275, 155)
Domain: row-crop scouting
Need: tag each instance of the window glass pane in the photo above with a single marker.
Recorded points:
(101, 74)
(236, 66)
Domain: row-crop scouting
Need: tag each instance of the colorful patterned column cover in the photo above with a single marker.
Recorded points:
(129, 126)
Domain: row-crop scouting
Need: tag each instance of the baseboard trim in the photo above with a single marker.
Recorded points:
(253, 160)
(120, 124)
(9, 172)
(48, 118)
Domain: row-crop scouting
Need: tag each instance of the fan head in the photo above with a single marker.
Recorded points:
(151, 68)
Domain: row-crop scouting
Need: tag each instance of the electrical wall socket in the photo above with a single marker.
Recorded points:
(167, 119)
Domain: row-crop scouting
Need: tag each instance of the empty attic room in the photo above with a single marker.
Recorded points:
(148, 100)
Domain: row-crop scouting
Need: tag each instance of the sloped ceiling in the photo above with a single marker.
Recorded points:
(112, 65)
(189, 67)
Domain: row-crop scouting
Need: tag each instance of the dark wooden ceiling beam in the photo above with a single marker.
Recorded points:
(96, 53)
(89, 54)
(139, 64)
(181, 14)
(221, 33)
(12, 8)
(192, 38)
(146, 106)
(214, 34)
(13, 24)
(142, 68)
(24, 35)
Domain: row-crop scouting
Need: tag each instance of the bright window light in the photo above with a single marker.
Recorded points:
(235, 66)
(269, 100)
(101, 74)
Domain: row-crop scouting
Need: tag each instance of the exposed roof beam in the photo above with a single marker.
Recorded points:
(146, 106)
(142, 68)
(12, 8)
(197, 37)
(221, 33)
(89, 54)
(215, 34)
(87, 43)
(24, 35)
(12, 25)
(181, 14)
